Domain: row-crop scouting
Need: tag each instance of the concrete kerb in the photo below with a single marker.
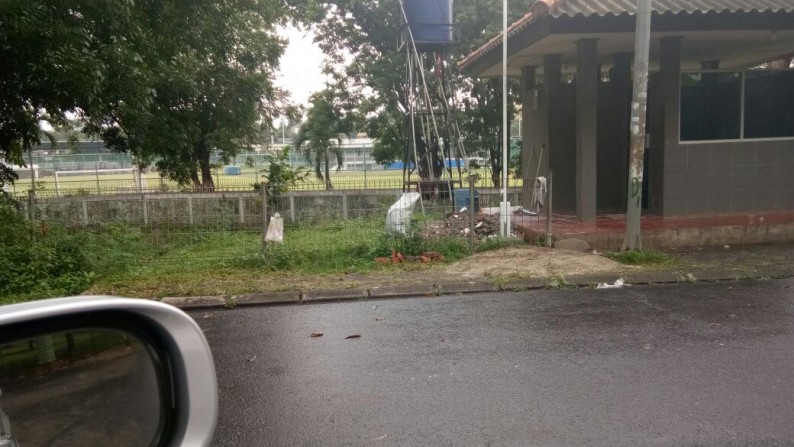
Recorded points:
(402, 291)
(195, 302)
(453, 288)
(260, 299)
(314, 296)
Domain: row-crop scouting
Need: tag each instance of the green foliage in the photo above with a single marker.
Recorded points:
(320, 136)
(39, 260)
(280, 176)
(209, 67)
(641, 257)
(559, 282)
(163, 80)
(56, 58)
(366, 30)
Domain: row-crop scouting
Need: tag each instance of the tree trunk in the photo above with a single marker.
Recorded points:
(203, 155)
(207, 184)
(328, 185)
(196, 180)
(496, 161)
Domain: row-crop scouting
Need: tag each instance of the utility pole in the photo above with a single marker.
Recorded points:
(639, 104)
(504, 208)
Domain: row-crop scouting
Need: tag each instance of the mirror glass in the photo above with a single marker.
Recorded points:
(93, 387)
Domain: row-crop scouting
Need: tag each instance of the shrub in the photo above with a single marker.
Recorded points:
(38, 260)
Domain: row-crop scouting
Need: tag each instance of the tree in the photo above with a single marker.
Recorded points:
(320, 136)
(168, 81)
(364, 32)
(56, 59)
(210, 70)
(279, 175)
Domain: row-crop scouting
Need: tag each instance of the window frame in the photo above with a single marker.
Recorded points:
(742, 105)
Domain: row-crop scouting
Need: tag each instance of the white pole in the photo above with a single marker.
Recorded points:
(505, 205)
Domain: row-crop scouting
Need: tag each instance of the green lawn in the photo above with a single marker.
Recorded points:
(131, 262)
(85, 184)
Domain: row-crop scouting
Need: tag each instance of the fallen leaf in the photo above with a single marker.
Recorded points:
(317, 334)
(353, 336)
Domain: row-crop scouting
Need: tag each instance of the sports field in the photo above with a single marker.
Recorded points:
(115, 183)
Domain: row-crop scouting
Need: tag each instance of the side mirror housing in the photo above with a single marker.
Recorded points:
(99, 371)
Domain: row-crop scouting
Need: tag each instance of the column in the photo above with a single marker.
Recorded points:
(586, 125)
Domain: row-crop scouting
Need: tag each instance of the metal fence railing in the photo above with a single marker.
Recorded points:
(101, 183)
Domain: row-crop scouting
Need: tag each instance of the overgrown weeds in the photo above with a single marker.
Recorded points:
(642, 258)
(138, 261)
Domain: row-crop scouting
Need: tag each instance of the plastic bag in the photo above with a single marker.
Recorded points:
(398, 219)
(620, 282)
(275, 231)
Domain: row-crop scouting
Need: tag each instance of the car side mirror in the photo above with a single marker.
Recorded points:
(104, 371)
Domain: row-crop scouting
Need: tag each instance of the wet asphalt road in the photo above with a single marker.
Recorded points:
(705, 364)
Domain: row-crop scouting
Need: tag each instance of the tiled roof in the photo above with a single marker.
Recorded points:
(603, 7)
(571, 8)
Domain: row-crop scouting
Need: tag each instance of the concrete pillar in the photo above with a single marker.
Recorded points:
(85, 212)
(538, 115)
(586, 129)
(190, 209)
(531, 128)
(621, 82)
(665, 139)
(552, 72)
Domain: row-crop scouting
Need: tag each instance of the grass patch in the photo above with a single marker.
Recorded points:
(128, 260)
(131, 262)
(642, 258)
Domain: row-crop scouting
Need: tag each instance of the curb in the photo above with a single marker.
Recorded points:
(195, 302)
(315, 296)
(472, 287)
(258, 299)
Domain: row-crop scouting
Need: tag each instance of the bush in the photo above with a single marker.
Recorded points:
(641, 257)
(40, 260)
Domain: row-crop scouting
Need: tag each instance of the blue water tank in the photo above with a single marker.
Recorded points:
(462, 200)
(430, 22)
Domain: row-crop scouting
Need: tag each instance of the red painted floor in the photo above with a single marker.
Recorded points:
(616, 223)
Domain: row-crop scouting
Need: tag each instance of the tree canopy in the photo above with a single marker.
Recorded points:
(364, 32)
(165, 80)
(329, 120)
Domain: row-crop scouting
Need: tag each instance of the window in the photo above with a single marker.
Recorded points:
(737, 105)
(769, 104)
(711, 106)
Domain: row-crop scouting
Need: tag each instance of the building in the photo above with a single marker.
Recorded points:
(720, 134)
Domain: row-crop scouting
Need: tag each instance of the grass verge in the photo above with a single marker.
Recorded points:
(651, 258)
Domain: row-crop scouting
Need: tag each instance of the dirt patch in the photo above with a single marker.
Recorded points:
(528, 262)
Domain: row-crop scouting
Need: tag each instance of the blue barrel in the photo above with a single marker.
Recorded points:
(462, 200)
(430, 22)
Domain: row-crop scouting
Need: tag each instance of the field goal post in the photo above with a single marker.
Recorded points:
(138, 178)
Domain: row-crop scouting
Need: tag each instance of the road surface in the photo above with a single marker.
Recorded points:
(704, 364)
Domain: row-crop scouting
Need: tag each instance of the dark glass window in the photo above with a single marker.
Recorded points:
(769, 104)
(711, 106)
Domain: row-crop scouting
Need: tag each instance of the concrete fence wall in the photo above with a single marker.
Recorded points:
(230, 209)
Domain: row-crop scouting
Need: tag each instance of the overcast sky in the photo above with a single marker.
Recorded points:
(300, 66)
